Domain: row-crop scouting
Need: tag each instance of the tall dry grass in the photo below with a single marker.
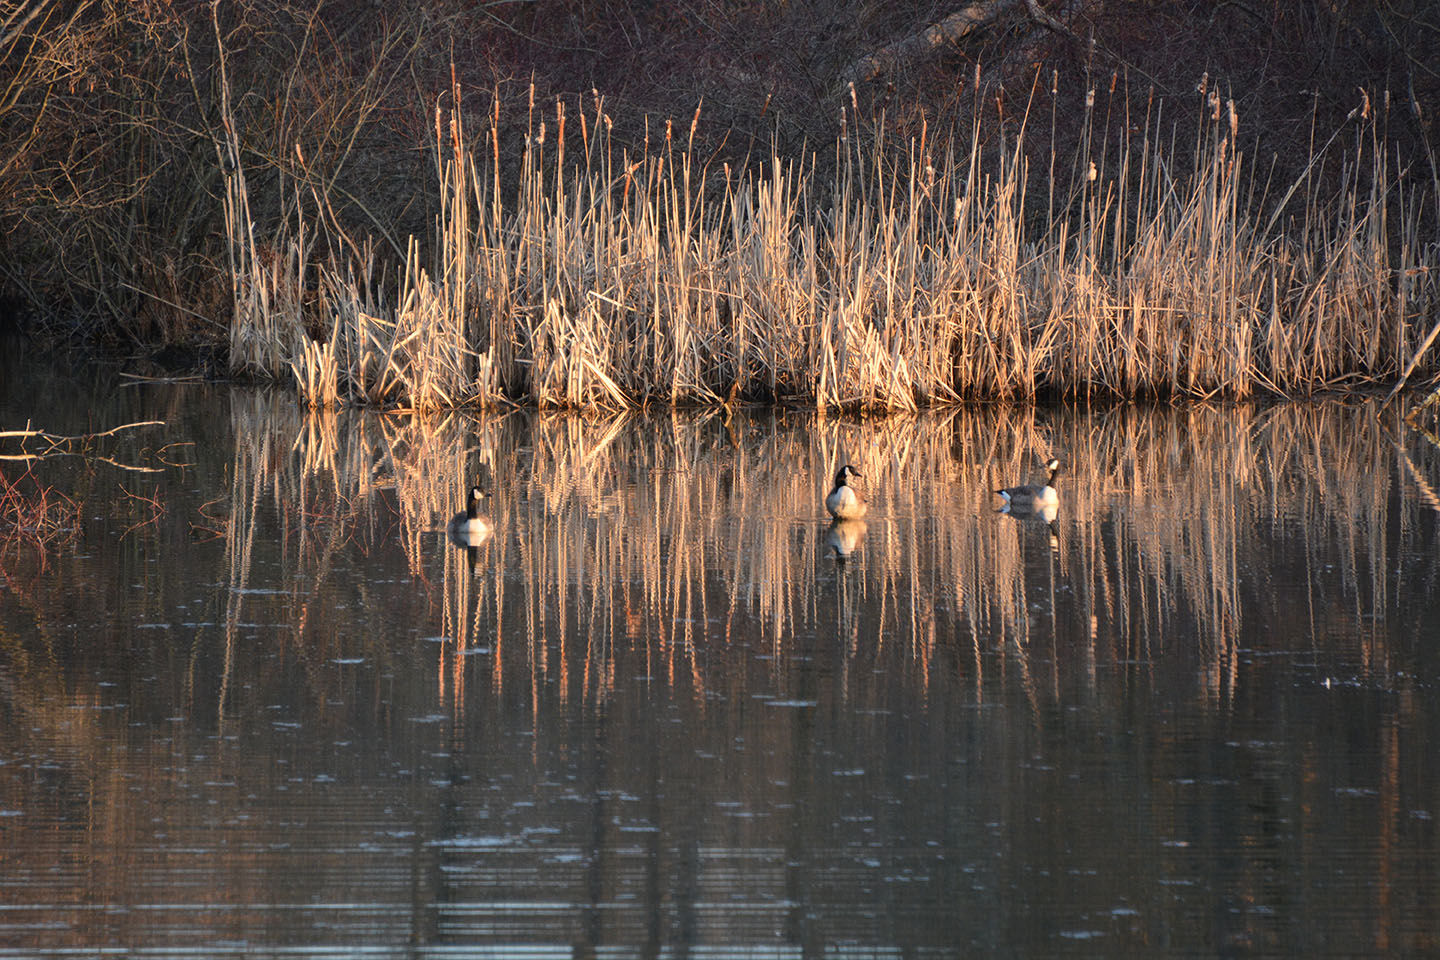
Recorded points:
(605, 279)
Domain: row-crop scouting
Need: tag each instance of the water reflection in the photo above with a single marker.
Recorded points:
(649, 711)
(1045, 513)
(844, 536)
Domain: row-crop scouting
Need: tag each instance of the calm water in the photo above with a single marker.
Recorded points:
(253, 702)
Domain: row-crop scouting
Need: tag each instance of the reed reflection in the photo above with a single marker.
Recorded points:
(653, 675)
(669, 531)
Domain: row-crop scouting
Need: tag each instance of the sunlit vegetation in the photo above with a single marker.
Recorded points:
(343, 202)
(610, 279)
(33, 514)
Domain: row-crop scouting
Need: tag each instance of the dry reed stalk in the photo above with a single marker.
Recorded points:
(316, 373)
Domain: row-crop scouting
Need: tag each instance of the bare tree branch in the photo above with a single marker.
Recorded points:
(918, 46)
(1044, 19)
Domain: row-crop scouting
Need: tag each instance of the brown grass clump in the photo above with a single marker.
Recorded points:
(35, 514)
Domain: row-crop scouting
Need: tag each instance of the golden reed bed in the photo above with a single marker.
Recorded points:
(606, 280)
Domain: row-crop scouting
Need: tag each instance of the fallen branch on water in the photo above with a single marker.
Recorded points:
(61, 445)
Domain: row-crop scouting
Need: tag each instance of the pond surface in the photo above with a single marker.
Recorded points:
(253, 702)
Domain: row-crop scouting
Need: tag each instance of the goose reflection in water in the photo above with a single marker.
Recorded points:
(472, 536)
(843, 537)
(1039, 512)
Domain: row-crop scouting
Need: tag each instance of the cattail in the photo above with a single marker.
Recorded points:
(1234, 119)
(1204, 82)
(1364, 104)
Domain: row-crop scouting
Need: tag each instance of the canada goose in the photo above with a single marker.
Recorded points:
(1033, 495)
(844, 503)
(469, 529)
(844, 536)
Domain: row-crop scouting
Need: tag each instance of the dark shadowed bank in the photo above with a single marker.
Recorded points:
(854, 204)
